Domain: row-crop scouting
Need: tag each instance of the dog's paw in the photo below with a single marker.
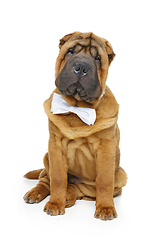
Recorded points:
(105, 213)
(36, 194)
(54, 208)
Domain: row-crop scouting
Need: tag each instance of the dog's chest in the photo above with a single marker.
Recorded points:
(80, 154)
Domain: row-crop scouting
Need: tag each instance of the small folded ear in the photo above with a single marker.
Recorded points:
(110, 51)
(66, 38)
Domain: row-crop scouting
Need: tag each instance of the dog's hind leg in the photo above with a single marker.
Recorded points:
(42, 189)
(79, 191)
(36, 194)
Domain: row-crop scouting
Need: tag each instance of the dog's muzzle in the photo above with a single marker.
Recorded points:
(79, 78)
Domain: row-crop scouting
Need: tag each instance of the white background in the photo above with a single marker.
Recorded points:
(30, 32)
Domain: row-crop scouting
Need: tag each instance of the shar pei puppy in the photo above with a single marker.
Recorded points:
(83, 155)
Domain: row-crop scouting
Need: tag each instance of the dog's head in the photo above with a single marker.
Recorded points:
(82, 66)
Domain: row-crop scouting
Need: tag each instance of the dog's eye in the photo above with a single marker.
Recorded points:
(98, 58)
(70, 51)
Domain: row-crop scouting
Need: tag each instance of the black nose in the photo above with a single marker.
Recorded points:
(81, 68)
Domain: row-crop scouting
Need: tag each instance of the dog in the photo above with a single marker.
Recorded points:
(83, 155)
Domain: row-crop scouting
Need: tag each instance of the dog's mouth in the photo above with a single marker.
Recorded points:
(78, 92)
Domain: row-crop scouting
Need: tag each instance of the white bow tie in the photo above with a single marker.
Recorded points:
(59, 105)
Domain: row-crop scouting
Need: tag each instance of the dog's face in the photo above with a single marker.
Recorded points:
(82, 66)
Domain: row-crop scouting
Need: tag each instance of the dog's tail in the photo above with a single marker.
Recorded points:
(33, 174)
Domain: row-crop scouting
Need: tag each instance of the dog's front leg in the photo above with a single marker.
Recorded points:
(105, 167)
(58, 177)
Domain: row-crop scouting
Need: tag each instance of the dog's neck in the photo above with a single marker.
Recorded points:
(73, 102)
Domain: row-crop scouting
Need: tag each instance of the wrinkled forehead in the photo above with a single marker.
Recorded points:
(87, 41)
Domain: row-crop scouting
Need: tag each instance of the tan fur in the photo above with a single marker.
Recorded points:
(82, 161)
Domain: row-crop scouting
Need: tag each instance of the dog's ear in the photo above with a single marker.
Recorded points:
(66, 38)
(110, 51)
